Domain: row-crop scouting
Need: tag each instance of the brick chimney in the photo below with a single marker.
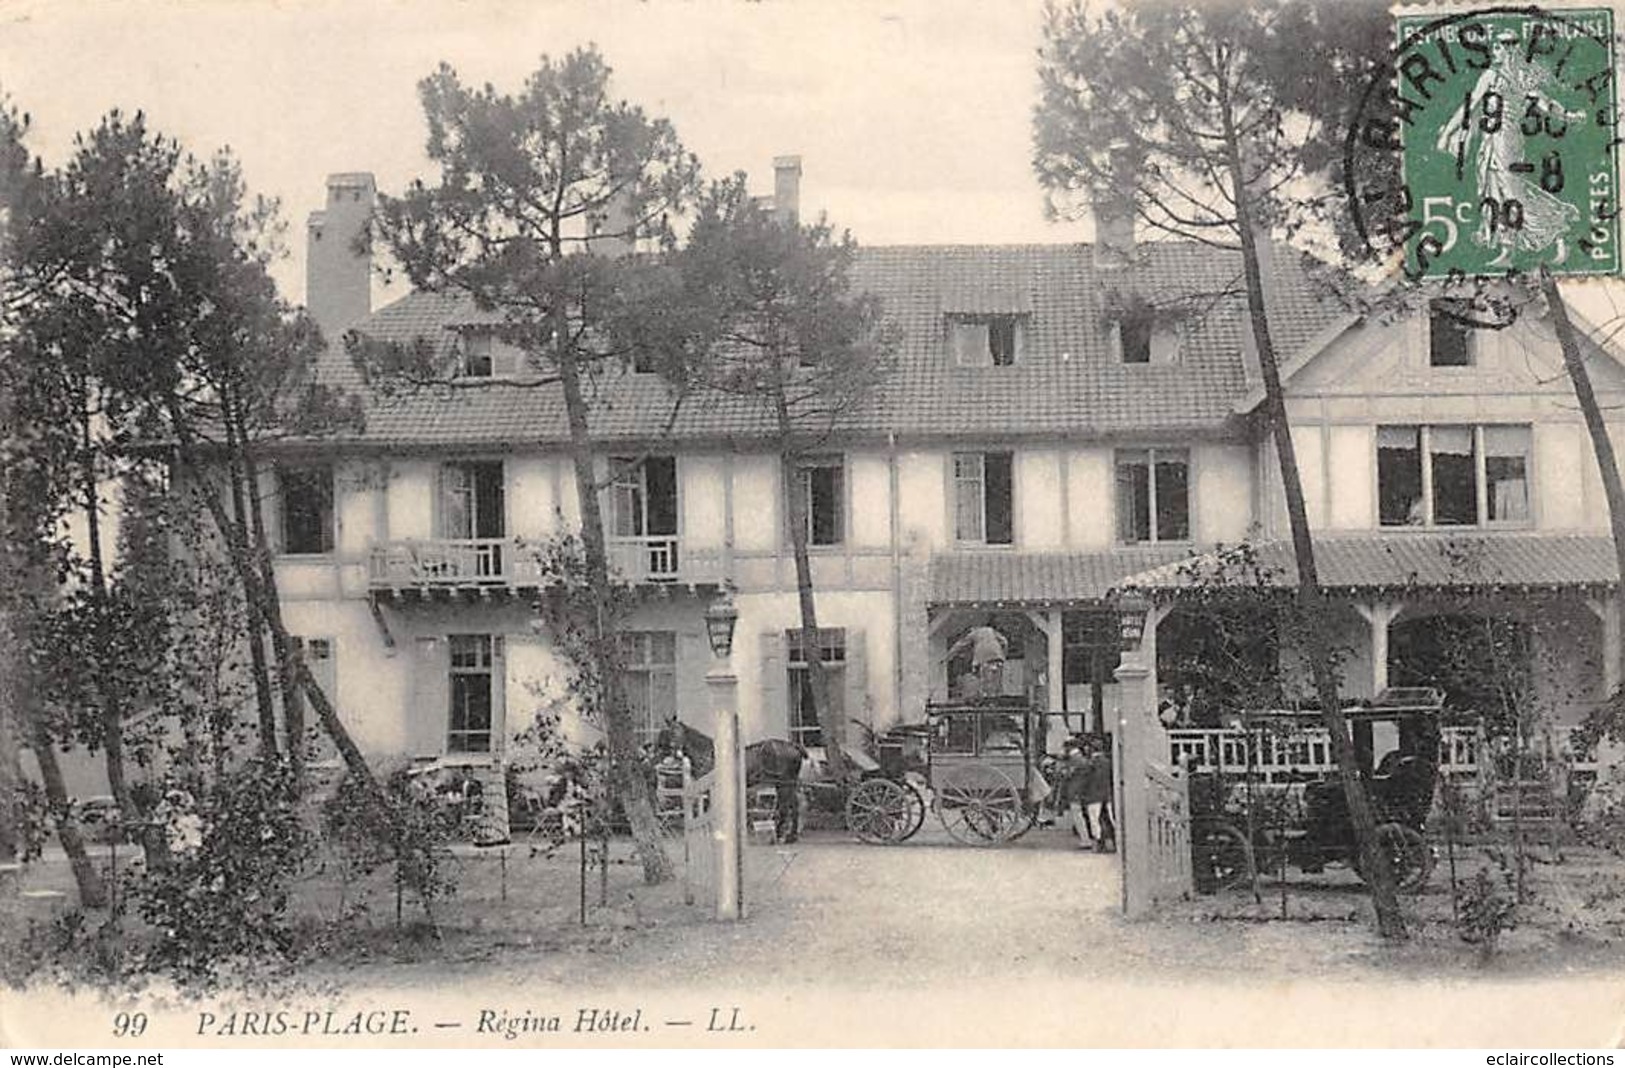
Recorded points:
(1114, 232)
(787, 189)
(1114, 214)
(338, 277)
(612, 230)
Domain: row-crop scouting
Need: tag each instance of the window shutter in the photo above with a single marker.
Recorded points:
(775, 715)
(431, 698)
(857, 678)
(445, 508)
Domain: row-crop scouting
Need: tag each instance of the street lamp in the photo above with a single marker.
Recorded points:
(1132, 608)
(721, 616)
(728, 795)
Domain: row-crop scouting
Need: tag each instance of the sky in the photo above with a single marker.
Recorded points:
(912, 118)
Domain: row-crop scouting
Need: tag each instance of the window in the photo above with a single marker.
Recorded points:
(1448, 342)
(1091, 648)
(819, 483)
(1506, 474)
(473, 693)
(471, 500)
(1455, 493)
(984, 512)
(1001, 340)
(1399, 475)
(1134, 338)
(832, 652)
(307, 509)
(984, 340)
(649, 659)
(643, 497)
(642, 517)
(477, 362)
(1153, 495)
(1473, 476)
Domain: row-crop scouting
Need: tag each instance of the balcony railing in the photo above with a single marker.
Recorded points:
(647, 559)
(443, 562)
(451, 563)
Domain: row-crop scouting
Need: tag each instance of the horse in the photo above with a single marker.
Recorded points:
(776, 761)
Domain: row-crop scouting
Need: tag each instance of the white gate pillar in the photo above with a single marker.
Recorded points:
(729, 791)
(1134, 742)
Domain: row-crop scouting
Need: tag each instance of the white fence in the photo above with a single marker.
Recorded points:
(1283, 756)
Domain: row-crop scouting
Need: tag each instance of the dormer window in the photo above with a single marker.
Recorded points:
(477, 362)
(1143, 332)
(480, 355)
(985, 340)
(1448, 342)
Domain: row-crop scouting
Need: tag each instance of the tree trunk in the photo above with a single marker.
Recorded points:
(153, 847)
(12, 663)
(11, 668)
(625, 767)
(1311, 600)
(31, 581)
(233, 529)
(92, 890)
(1601, 444)
(830, 727)
(265, 612)
(293, 707)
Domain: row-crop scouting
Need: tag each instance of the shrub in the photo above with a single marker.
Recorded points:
(225, 901)
(1488, 908)
(409, 829)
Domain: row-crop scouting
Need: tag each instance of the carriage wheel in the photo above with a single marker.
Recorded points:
(980, 805)
(916, 810)
(882, 811)
(1408, 855)
(1221, 857)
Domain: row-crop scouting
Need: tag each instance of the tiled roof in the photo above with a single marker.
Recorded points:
(1406, 559)
(991, 577)
(1066, 382)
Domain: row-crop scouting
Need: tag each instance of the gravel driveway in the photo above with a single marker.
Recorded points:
(937, 943)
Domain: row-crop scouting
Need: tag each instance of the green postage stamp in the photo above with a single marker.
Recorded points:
(1509, 132)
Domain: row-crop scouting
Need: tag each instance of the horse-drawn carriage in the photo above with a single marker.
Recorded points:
(1305, 820)
(977, 762)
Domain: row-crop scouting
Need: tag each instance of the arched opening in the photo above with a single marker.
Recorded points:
(1217, 659)
(1481, 661)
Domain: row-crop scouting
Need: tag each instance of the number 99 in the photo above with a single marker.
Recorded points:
(129, 1024)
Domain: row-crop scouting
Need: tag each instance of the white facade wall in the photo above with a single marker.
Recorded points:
(868, 501)
(702, 497)
(1091, 521)
(409, 510)
(1221, 493)
(1039, 494)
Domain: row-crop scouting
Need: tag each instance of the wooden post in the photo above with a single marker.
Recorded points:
(729, 787)
(1380, 615)
(1056, 676)
(688, 835)
(1606, 609)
